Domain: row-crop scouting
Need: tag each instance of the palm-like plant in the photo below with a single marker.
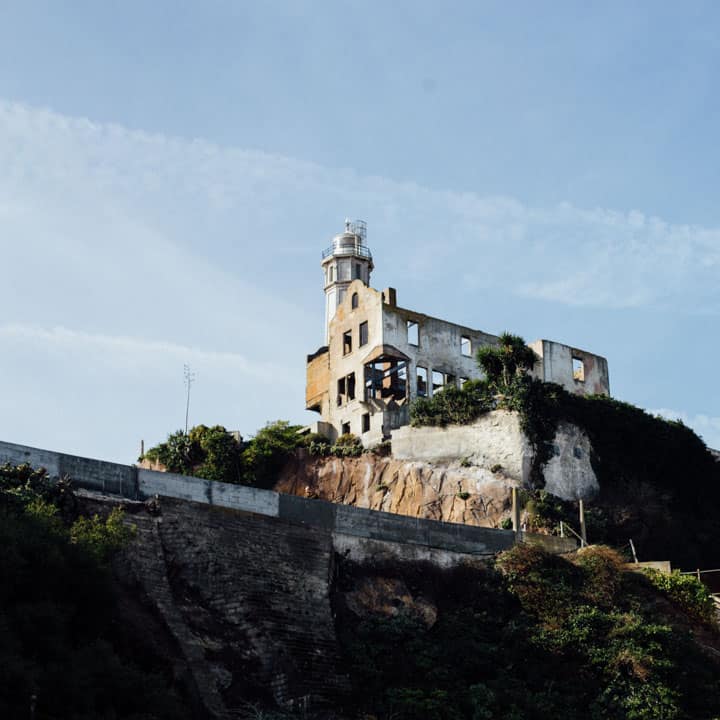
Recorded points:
(508, 360)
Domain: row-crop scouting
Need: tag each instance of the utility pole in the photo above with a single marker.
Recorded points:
(189, 380)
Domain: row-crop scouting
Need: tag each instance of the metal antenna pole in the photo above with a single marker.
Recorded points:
(189, 379)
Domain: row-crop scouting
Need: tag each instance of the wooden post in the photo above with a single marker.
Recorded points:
(583, 531)
(562, 529)
(632, 547)
(515, 511)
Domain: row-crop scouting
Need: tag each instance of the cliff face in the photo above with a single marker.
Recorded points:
(460, 473)
(448, 492)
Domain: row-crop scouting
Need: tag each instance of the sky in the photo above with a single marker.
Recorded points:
(171, 171)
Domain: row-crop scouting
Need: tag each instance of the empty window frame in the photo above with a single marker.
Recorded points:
(331, 273)
(441, 380)
(345, 428)
(465, 346)
(366, 422)
(363, 334)
(421, 379)
(347, 342)
(413, 333)
(358, 272)
(345, 389)
(578, 369)
(355, 301)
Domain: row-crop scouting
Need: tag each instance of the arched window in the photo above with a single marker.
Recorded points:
(355, 300)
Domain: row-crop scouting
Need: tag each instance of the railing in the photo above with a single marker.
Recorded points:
(566, 526)
(359, 250)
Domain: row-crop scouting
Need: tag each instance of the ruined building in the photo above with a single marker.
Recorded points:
(378, 357)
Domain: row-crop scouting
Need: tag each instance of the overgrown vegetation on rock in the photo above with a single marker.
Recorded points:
(215, 454)
(659, 483)
(57, 630)
(542, 636)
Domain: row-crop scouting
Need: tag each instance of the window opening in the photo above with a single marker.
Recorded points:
(358, 271)
(346, 428)
(422, 381)
(438, 381)
(465, 346)
(413, 334)
(578, 368)
(366, 422)
(351, 386)
(363, 334)
(355, 300)
(347, 342)
(386, 380)
(332, 273)
(340, 391)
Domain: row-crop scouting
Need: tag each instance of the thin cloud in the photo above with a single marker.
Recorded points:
(138, 352)
(238, 201)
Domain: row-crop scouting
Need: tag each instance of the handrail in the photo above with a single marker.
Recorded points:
(564, 525)
(359, 250)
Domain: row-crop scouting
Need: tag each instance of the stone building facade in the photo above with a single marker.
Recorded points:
(378, 357)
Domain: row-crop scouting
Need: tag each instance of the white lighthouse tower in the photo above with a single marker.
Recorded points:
(347, 259)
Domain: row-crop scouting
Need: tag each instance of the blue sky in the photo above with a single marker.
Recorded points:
(170, 172)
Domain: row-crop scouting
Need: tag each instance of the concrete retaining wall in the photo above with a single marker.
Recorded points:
(138, 484)
(493, 439)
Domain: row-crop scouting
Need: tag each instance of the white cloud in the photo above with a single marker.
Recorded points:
(706, 426)
(125, 254)
(137, 354)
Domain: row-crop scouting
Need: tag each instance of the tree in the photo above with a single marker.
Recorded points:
(505, 362)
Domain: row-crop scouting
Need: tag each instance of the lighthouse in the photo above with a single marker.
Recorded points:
(347, 259)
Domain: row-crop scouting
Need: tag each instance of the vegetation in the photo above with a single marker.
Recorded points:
(539, 636)
(659, 483)
(58, 638)
(347, 445)
(214, 454)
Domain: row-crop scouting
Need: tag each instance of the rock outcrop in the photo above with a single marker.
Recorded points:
(462, 474)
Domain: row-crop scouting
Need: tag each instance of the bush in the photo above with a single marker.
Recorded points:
(686, 591)
(101, 538)
(58, 623)
(453, 405)
(264, 455)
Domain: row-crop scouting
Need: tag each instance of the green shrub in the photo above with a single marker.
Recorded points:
(686, 591)
(264, 455)
(101, 538)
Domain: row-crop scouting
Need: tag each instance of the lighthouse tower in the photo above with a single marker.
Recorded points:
(347, 259)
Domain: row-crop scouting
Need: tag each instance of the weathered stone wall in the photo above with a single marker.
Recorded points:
(493, 439)
(246, 599)
(496, 440)
(556, 365)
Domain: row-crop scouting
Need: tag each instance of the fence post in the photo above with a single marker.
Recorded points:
(583, 531)
(515, 511)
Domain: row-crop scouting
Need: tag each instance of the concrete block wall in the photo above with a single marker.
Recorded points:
(138, 484)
